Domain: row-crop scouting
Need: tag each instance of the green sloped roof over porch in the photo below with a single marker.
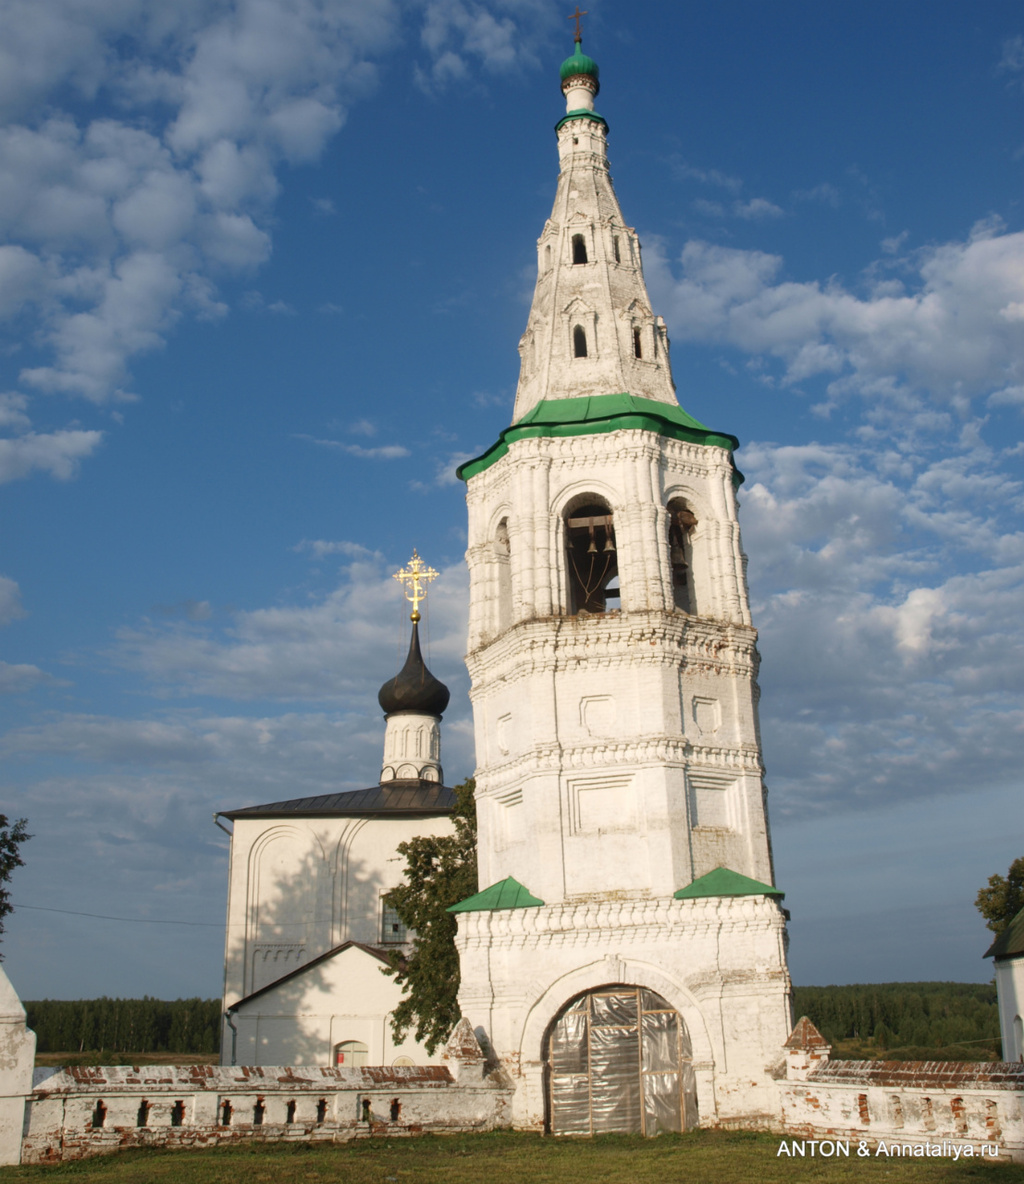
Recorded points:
(725, 882)
(506, 894)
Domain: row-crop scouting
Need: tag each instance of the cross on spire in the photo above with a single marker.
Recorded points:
(414, 577)
(576, 17)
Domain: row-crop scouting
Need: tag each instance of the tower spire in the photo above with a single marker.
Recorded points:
(591, 330)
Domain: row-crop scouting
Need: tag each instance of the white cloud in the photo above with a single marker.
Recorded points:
(883, 586)
(384, 452)
(501, 36)
(688, 172)
(953, 335)
(332, 649)
(756, 209)
(118, 226)
(17, 678)
(10, 601)
(57, 453)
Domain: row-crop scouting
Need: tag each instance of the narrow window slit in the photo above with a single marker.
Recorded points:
(638, 348)
(178, 1113)
(142, 1118)
(579, 249)
(579, 342)
(99, 1115)
(290, 1112)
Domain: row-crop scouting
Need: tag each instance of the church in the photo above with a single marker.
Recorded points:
(624, 963)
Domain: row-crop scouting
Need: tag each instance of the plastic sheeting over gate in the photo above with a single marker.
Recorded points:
(619, 1059)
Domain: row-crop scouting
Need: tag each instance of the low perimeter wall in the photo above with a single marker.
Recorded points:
(75, 1112)
(951, 1109)
(80, 1112)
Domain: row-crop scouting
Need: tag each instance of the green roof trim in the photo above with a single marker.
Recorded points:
(590, 415)
(725, 882)
(506, 894)
(1010, 942)
(581, 113)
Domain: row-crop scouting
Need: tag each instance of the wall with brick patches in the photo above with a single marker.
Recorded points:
(900, 1101)
(77, 1112)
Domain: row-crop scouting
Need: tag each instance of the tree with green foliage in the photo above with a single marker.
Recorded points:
(440, 870)
(12, 835)
(1003, 899)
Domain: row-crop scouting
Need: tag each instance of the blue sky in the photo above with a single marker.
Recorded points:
(263, 268)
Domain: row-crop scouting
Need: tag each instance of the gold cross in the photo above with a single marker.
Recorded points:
(414, 578)
(576, 17)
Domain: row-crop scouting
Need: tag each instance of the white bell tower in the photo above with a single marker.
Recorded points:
(623, 836)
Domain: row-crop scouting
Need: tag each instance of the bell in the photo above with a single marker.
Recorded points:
(592, 549)
(677, 555)
(608, 544)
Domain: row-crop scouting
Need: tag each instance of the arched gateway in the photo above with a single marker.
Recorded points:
(619, 1059)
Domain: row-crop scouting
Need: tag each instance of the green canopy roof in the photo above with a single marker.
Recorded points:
(725, 882)
(506, 894)
(589, 415)
(1011, 941)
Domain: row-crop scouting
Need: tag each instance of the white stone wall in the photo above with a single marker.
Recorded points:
(606, 296)
(73, 1113)
(301, 1021)
(1010, 989)
(412, 748)
(720, 962)
(17, 1058)
(617, 752)
(299, 886)
(909, 1102)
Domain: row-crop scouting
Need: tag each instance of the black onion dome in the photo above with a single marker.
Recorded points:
(414, 688)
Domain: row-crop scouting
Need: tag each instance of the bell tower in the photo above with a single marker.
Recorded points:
(623, 835)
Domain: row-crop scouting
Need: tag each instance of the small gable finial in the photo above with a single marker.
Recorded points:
(576, 17)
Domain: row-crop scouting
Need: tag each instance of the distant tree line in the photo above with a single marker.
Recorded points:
(125, 1025)
(905, 1016)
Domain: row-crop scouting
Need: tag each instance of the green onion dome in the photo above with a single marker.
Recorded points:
(579, 63)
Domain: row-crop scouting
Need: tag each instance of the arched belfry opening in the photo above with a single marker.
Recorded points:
(579, 342)
(681, 524)
(619, 1059)
(592, 559)
(579, 249)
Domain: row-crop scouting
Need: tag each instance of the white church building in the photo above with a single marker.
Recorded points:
(625, 961)
(308, 932)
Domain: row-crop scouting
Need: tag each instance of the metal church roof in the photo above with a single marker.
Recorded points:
(389, 799)
(1010, 942)
(725, 882)
(506, 894)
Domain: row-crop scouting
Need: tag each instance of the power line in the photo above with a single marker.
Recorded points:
(36, 908)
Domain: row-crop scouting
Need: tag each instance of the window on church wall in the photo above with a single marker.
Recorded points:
(638, 345)
(681, 523)
(503, 558)
(592, 560)
(392, 929)
(579, 249)
(579, 342)
(351, 1054)
(615, 249)
(547, 257)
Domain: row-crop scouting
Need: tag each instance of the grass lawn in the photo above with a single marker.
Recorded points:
(503, 1157)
